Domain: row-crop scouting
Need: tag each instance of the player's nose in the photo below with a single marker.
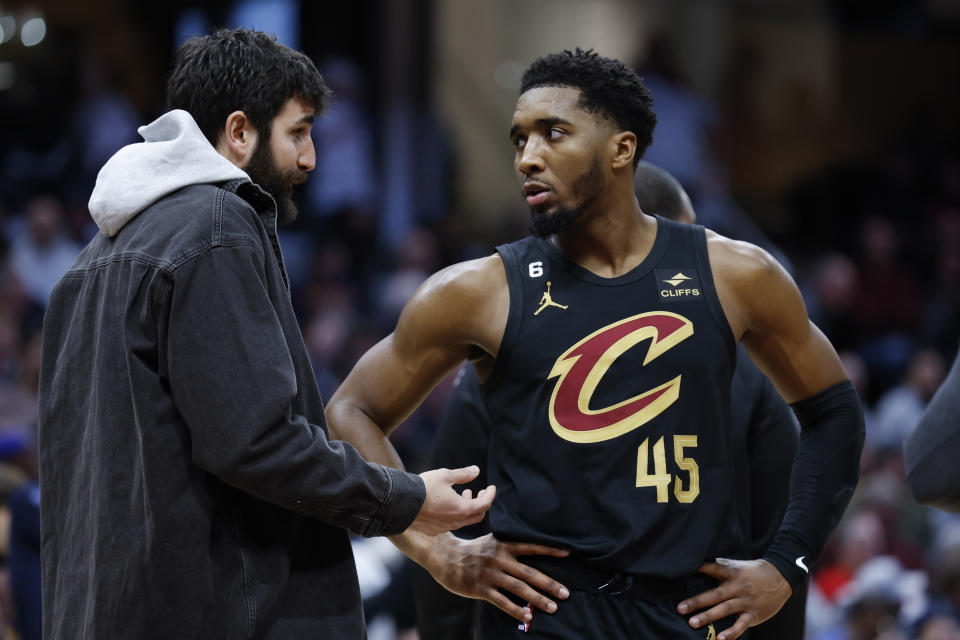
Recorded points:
(530, 158)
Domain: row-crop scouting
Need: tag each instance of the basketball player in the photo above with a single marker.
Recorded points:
(763, 442)
(612, 415)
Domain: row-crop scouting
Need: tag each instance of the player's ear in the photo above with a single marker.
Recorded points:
(238, 139)
(623, 147)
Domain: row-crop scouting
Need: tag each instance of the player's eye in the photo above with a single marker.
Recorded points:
(519, 143)
(555, 133)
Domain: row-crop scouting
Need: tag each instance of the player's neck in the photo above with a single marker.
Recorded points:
(610, 239)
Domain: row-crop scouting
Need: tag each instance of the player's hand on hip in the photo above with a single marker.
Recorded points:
(445, 509)
(754, 589)
(480, 568)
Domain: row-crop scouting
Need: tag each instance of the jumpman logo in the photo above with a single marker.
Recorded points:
(711, 633)
(547, 301)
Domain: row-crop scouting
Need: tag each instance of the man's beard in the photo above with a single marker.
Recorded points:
(590, 183)
(264, 172)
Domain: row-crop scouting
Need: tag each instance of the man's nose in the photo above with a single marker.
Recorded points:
(307, 158)
(530, 158)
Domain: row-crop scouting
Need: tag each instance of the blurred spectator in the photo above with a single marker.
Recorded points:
(937, 625)
(25, 560)
(889, 302)
(325, 334)
(900, 409)
(9, 349)
(685, 120)
(13, 298)
(18, 394)
(386, 588)
(944, 563)
(103, 121)
(344, 183)
(857, 372)
(859, 538)
(44, 252)
(832, 301)
(871, 602)
(416, 259)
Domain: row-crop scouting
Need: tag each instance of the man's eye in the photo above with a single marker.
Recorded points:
(518, 143)
(555, 134)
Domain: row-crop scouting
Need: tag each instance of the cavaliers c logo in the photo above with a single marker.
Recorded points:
(582, 366)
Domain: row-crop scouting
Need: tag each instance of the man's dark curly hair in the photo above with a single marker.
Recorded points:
(607, 87)
(244, 70)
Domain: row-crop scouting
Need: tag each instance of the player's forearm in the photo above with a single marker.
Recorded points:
(349, 423)
(418, 546)
(824, 477)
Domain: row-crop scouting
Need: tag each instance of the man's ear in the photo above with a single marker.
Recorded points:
(238, 139)
(623, 148)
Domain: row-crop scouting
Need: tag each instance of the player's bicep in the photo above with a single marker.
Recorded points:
(796, 356)
(405, 371)
(394, 376)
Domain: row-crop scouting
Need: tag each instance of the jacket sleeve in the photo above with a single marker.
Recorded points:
(233, 381)
(932, 450)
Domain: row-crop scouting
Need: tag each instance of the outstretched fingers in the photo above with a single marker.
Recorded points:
(508, 606)
(530, 585)
(710, 597)
(741, 625)
(720, 611)
(531, 549)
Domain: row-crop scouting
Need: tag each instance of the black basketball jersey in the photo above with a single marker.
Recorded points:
(610, 400)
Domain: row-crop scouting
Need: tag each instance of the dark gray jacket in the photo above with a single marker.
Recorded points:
(188, 488)
(932, 452)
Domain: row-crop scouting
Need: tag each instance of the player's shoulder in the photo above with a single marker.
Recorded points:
(469, 280)
(737, 263)
(458, 293)
(463, 302)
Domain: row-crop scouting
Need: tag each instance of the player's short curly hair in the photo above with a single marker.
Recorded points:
(245, 70)
(607, 87)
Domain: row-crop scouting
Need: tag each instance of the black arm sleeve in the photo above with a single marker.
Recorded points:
(825, 474)
(772, 440)
(932, 451)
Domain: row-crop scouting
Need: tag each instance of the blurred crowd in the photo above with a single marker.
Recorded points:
(876, 251)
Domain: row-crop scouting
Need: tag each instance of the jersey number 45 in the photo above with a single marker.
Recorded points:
(660, 478)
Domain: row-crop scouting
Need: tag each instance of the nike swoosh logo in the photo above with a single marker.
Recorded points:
(801, 565)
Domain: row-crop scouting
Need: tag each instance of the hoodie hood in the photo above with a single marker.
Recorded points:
(174, 154)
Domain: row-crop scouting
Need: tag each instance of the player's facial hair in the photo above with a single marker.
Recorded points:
(263, 170)
(590, 183)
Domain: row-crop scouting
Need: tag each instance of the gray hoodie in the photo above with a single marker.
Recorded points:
(174, 154)
(189, 487)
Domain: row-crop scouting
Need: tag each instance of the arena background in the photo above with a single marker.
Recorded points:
(826, 131)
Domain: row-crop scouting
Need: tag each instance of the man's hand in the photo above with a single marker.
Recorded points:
(480, 568)
(752, 588)
(445, 509)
